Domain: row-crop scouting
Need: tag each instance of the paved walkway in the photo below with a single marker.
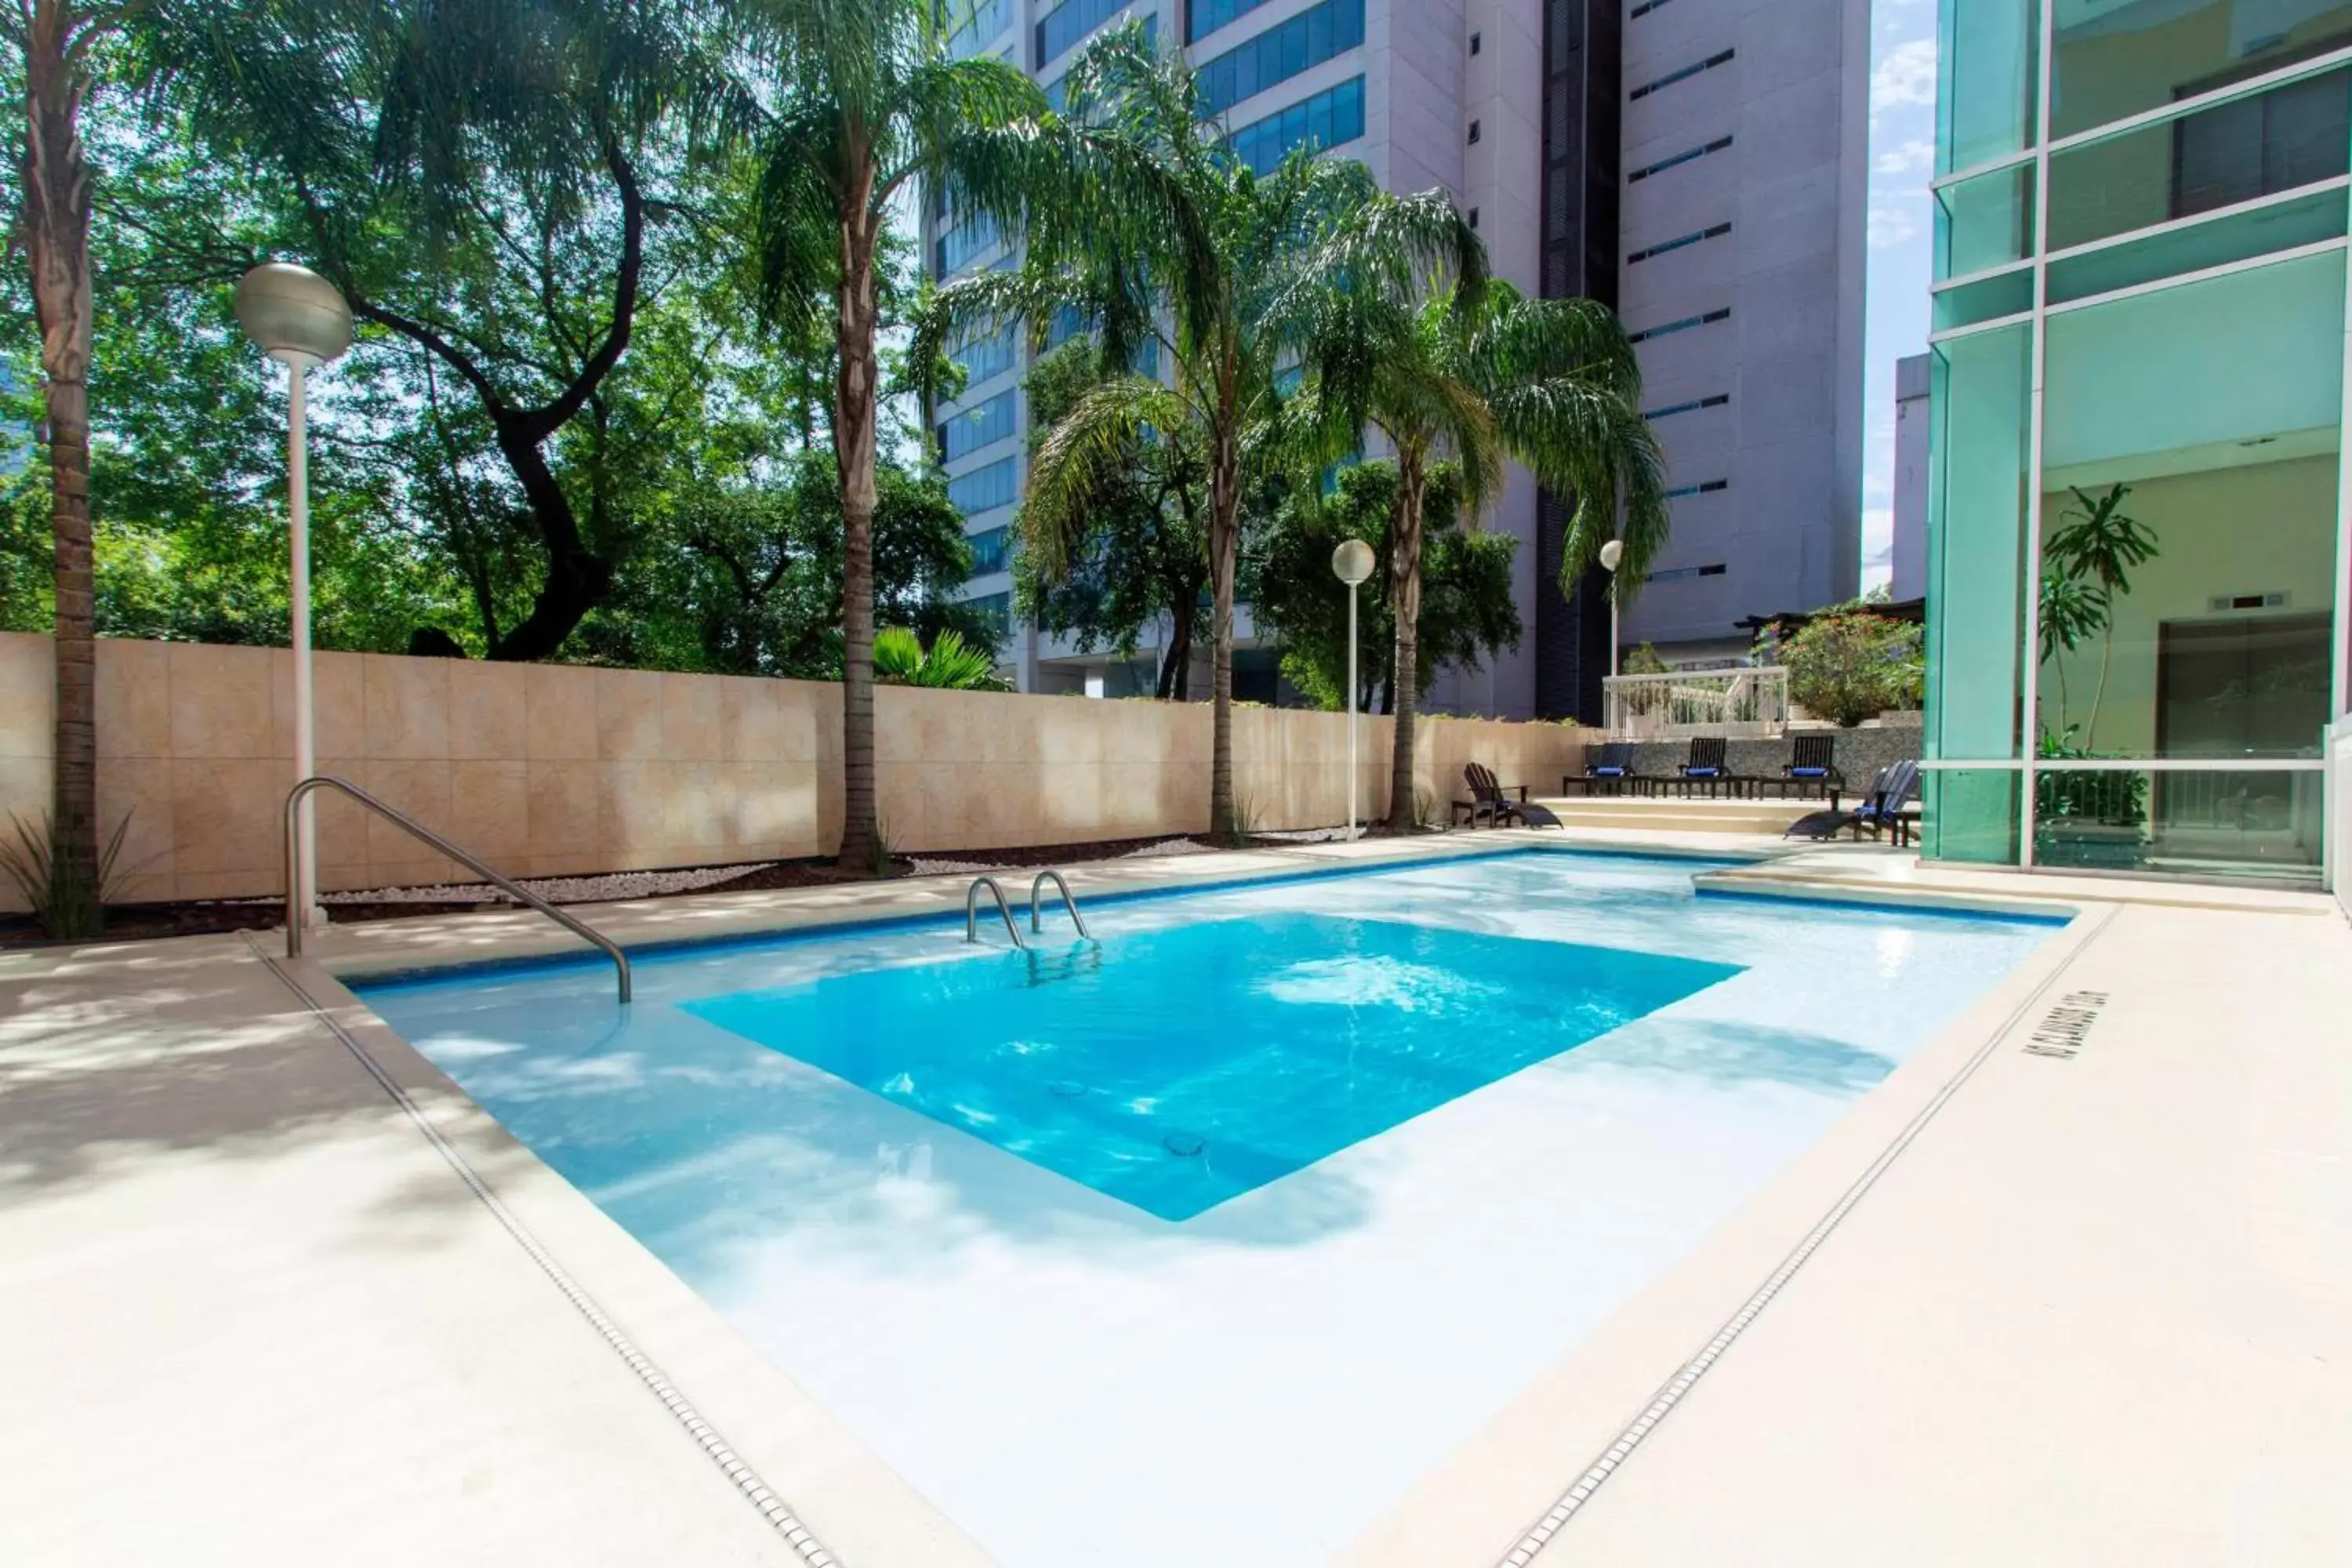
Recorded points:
(2100, 1310)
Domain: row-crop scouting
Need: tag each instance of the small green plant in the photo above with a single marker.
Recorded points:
(2113, 799)
(1424, 805)
(1247, 818)
(952, 665)
(886, 852)
(68, 905)
(1846, 668)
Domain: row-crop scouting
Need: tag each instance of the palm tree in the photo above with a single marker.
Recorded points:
(56, 38)
(856, 102)
(1227, 286)
(1553, 384)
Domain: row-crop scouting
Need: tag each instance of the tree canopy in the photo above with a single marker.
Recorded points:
(1467, 611)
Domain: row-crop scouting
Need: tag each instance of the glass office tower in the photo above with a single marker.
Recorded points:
(2138, 549)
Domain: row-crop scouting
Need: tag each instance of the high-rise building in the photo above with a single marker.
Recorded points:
(2138, 514)
(1698, 163)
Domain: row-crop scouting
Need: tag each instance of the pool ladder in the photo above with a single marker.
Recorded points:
(1004, 907)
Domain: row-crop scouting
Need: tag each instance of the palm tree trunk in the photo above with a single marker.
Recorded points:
(1224, 552)
(856, 405)
(1404, 600)
(57, 220)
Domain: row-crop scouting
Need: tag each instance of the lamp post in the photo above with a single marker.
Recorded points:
(297, 317)
(1610, 553)
(1352, 563)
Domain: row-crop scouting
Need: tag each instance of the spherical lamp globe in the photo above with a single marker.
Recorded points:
(1610, 553)
(293, 315)
(1353, 562)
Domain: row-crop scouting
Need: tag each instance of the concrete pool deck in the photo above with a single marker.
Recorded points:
(2100, 1309)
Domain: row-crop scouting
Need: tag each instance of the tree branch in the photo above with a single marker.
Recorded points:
(544, 421)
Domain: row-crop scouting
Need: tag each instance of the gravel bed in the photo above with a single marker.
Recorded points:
(609, 887)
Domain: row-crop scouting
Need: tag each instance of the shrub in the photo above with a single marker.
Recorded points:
(1846, 668)
(951, 665)
(1647, 660)
(67, 906)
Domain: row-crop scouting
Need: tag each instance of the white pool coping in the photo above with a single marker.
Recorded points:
(1472, 1509)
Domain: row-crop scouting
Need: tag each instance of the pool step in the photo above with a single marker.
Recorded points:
(1772, 816)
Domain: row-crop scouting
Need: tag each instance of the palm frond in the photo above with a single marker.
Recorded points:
(1082, 456)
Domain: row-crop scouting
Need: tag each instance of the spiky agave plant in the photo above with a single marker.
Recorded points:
(69, 896)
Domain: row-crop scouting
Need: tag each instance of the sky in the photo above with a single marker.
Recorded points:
(1902, 159)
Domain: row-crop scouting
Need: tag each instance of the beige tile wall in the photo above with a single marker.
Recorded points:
(547, 770)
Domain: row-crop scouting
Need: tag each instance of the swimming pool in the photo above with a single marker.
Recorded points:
(1202, 1245)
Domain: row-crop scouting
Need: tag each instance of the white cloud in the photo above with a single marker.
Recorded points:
(1891, 227)
(1877, 546)
(1904, 76)
(1915, 156)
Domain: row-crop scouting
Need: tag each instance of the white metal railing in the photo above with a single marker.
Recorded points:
(1750, 701)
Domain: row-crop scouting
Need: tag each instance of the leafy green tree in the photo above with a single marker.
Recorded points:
(748, 581)
(1468, 612)
(2097, 546)
(1141, 560)
(849, 104)
(1225, 270)
(498, 186)
(1479, 376)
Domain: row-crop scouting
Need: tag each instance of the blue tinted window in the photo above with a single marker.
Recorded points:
(1326, 119)
(956, 248)
(1281, 52)
(983, 488)
(997, 607)
(983, 359)
(975, 24)
(990, 551)
(977, 427)
(1202, 17)
(1061, 29)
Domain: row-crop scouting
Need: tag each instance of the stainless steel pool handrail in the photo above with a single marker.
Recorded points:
(1003, 907)
(433, 840)
(1069, 903)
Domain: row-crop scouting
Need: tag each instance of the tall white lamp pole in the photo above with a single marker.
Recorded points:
(1352, 563)
(297, 317)
(1610, 553)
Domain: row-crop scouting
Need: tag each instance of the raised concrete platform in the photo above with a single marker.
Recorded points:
(1674, 813)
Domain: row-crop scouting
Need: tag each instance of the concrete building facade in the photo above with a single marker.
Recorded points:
(1520, 108)
(1915, 406)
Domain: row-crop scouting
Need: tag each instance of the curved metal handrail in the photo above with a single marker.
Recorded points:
(426, 835)
(1068, 902)
(972, 910)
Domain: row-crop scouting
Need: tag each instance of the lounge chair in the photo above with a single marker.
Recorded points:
(1813, 766)
(1707, 766)
(1616, 770)
(1490, 802)
(1881, 809)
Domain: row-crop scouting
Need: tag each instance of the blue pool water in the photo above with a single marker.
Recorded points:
(1176, 1069)
(1449, 1120)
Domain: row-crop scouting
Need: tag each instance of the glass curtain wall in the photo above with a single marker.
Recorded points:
(2138, 514)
